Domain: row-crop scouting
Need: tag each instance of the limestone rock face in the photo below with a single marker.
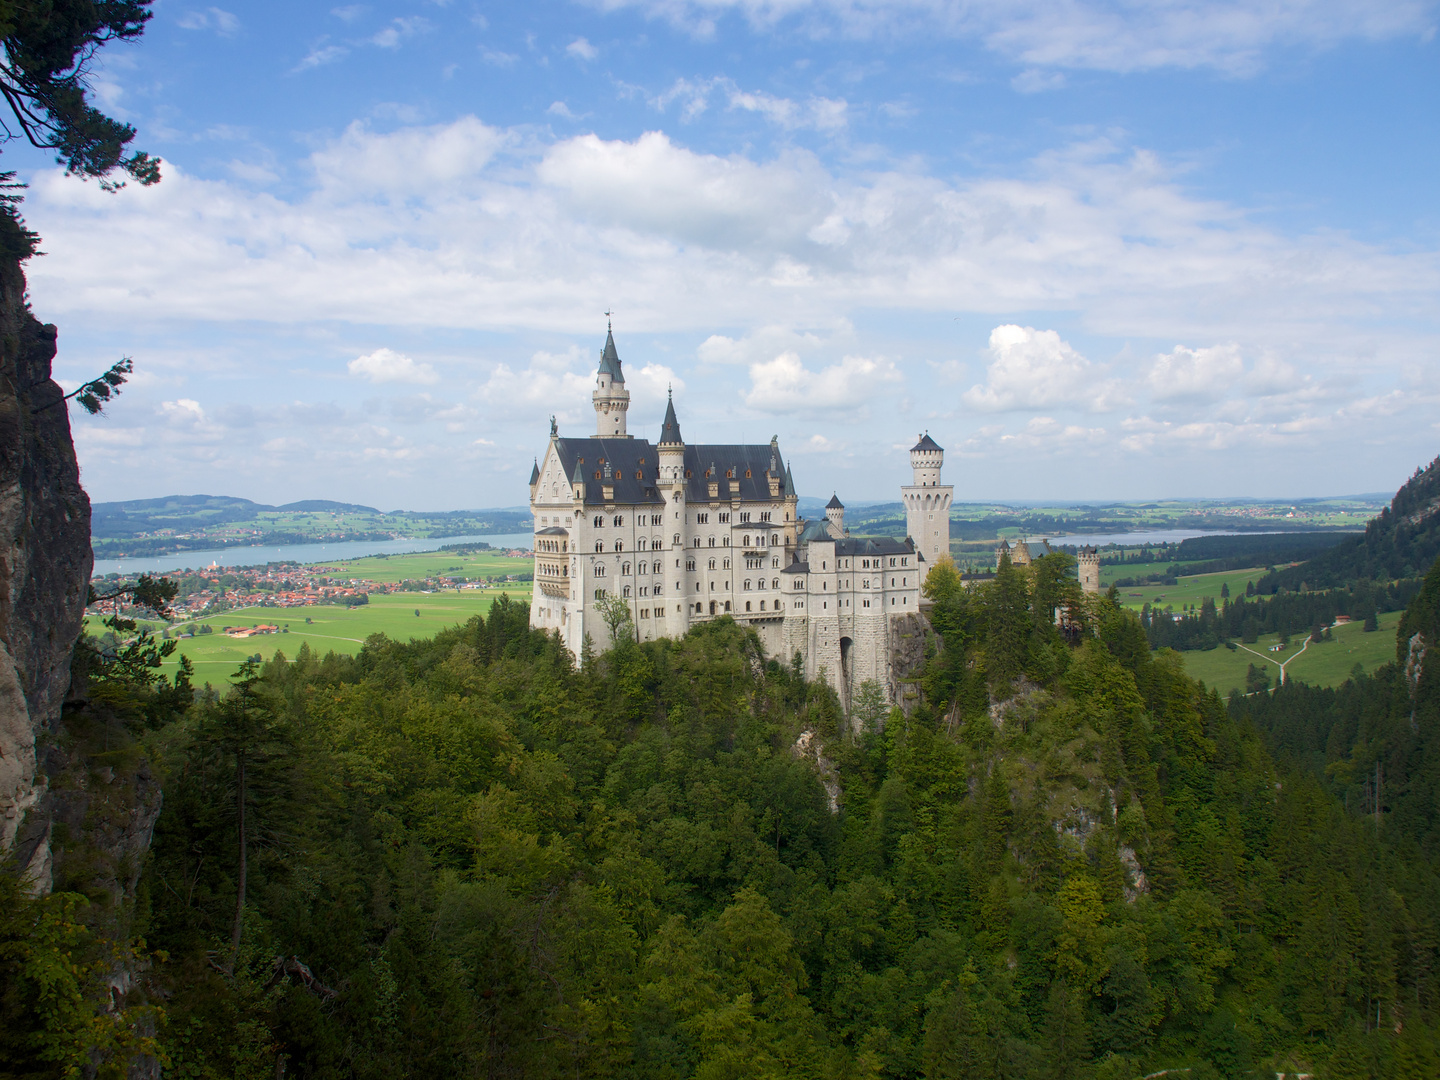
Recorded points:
(45, 564)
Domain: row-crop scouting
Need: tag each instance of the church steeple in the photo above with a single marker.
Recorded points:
(611, 399)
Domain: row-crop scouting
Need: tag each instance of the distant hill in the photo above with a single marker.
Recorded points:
(1401, 542)
(140, 527)
(312, 506)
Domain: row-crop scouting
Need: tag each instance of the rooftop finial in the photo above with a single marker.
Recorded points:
(608, 314)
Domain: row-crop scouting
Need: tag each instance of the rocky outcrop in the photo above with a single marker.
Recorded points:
(45, 566)
(906, 645)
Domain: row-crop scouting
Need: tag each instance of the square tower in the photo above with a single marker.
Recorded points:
(927, 501)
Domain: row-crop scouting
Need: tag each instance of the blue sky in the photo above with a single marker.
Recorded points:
(1098, 249)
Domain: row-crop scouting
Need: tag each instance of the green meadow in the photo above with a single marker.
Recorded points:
(330, 628)
(1324, 663)
(420, 565)
(1188, 590)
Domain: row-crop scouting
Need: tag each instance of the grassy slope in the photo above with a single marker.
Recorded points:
(1327, 663)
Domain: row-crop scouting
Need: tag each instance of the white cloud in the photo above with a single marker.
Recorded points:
(222, 22)
(399, 30)
(785, 385)
(496, 57)
(183, 411)
(320, 55)
(815, 113)
(350, 12)
(1227, 35)
(386, 365)
(764, 343)
(1035, 369)
(463, 225)
(559, 108)
(581, 49)
(1196, 374)
(408, 161)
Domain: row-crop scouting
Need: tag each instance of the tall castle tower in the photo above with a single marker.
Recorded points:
(927, 501)
(1089, 567)
(612, 400)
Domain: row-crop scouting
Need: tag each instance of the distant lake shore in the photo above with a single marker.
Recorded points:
(259, 555)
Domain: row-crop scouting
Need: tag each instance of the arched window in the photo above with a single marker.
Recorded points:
(619, 521)
(600, 570)
(677, 538)
(599, 545)
(762, 605)
(774, 538)
(747, 602)
(625, 569)
(619, 545)
(599, 521)
(599, 594)
(640, 544)
(625, 590)
(747, 589)
(747, 541)
(712, 564)
(727, 605)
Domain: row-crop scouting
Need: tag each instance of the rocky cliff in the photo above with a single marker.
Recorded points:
(67, 782)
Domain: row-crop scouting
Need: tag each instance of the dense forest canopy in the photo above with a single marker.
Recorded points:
(470, 856)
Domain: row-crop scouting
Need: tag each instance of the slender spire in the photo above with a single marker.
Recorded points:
(789, 482)
(670, 428)
(579, 477)
(535, 474)
(610, 359)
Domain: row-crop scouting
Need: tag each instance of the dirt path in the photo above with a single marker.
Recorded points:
(1278, 663)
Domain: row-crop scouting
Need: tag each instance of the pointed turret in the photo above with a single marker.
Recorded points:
(670, 428)
(835, 515)
(610, 398)
(789, 491)
(610, 359)
(534, 474)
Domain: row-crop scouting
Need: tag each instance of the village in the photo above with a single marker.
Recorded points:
(215, 590)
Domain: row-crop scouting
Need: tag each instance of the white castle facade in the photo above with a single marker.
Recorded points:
(685, 533)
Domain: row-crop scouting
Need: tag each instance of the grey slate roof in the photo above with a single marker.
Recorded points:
(877, 545)
(834, 503)
(636, 468)
(553, 530)
(534, 473)
(926, 443)
(610, 359)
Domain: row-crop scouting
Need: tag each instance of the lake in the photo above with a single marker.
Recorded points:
(261, 554)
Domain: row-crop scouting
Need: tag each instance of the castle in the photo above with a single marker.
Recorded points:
(689, 532)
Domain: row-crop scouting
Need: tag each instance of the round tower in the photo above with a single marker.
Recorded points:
(926, 457)
(611, 399)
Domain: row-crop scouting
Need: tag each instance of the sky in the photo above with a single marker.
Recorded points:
(1098, 249)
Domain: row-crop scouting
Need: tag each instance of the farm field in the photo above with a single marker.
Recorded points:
(1325, 663)
(420, 565)
(332, 628)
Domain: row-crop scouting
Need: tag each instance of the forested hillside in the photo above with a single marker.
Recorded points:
(470, 857)
(1401, 542)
